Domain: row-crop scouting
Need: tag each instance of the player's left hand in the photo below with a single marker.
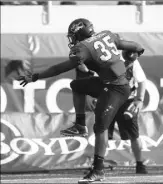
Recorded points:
(83, 68)
(129, 56)
(141, 52)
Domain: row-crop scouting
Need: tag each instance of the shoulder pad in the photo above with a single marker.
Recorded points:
(105, 31)
(75, 48)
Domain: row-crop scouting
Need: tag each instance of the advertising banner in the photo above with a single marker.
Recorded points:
(32, 116)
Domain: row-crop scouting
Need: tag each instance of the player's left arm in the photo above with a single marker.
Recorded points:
(128, 45)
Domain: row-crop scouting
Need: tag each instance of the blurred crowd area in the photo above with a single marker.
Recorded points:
(86, 2)
(23, 2)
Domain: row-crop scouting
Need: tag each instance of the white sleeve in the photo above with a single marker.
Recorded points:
(138, 72)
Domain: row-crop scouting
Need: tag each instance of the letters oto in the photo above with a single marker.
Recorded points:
(57, 86)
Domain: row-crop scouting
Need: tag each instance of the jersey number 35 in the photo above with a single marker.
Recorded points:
(107, 48)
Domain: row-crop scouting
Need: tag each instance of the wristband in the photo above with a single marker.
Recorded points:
(35, 77)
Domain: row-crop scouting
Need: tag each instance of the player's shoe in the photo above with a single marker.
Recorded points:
(110, 167)
(141, 169)
(75, 130)
(92, 176)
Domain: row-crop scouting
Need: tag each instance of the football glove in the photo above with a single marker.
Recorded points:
(141, 52)
(129, 56)
(24, 80)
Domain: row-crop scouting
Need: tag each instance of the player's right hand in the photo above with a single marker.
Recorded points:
(24, 80)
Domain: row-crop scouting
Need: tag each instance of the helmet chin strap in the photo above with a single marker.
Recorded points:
(70, 45)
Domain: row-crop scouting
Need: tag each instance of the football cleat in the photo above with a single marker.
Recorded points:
(92, 176)
(75, 130)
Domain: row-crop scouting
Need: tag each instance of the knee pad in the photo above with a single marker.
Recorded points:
(94, 129)
(73, 85)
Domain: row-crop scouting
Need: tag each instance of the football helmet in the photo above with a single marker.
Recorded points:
(79, 30)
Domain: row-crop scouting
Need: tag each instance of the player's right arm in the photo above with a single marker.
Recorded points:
(128, 45)
(76, 57)
(50, 72)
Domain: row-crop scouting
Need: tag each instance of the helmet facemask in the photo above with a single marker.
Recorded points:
(72, 40)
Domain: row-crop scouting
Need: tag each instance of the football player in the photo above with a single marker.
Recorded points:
(128, 113)
(111, 88)
(127, 116)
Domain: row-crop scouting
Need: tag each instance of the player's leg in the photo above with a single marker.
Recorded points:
(81, 103)
(79, 127)
(108, 103)
(129, 130)
(111, 129)
(107, 107)
(81, 88)
(79, 100)
(136, 148)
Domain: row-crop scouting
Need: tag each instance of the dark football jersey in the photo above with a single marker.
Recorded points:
(100, 54)
(80, 53)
